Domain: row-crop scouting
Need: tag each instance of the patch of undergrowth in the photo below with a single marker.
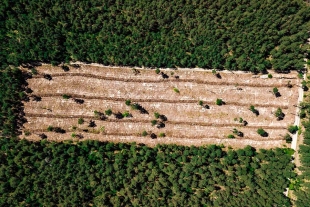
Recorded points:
(106, 174)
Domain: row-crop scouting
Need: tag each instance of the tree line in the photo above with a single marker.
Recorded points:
(236, 35)
(108, 174)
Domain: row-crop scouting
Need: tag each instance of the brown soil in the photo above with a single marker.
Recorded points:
(188, 123)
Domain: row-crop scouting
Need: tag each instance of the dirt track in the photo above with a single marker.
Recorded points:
(108, 88)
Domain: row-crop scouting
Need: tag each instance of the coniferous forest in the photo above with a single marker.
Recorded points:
(247, 35)
(236, 35)
(107, 174)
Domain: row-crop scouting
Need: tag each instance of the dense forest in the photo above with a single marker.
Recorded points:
(236, 35)
(244, 34)
(106, 174)
(12, 84)
(302, 184)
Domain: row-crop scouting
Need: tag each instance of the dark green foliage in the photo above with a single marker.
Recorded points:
(65, 96)
(279, 114)
(288, 138)
(292, 129)
(157, 71)
(269, 75)
(262, 132)
(162, 134)
(254, 110)
(301, 184)
(154, 122)
(231, 136)
(219, 102)
(208, 34)
(50, 128)
(128, 102)
(200, 102)
(156, 114)
(108, 112)
(12, 84)
(144, 133)
(80, 121)
(97, 173)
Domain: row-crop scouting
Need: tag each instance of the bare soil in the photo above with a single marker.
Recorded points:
(187, 122)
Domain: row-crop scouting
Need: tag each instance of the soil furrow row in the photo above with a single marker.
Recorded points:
(34, 131)
(154, 100)
(160, 80)
(149, 121)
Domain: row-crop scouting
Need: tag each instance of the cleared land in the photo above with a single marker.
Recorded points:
(188, 123)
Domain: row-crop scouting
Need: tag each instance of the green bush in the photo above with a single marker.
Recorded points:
(162, 134)
(144, 133)
(156, 114)
(80, 121)
(292, 129)
(230, 136)
(128, 102)
(126, 114)
(73, 135)
(50, 128)
(288, 138)
(108, 112)
(262, 132)
(65, 96)
(269, 75)
(200, 102)
(154, 122)
(176, 90)
(219, 102)
(157, 71)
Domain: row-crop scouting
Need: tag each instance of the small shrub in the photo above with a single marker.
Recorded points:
(200, 102)
(73, 135)
(235, 119)
(304, 85)
(65, 96)
(80, 121)
(34, 71)
(128, 102)
(302, 114)
(154, 122)
(288, 138)
(108, 112)
(214, 72)
(135, 106)
(144, 133)
(255, 111)
(262, 132)
(230, 136)
(279, 114)
(292, 129)
(289, 84)
(300, 75)
(276, 92)
(162, 135)
(269, 75)
(219, 102)
(27, 133)
(74, 128)
(50, 128)
(102, 129)
(96, 113)
(240, 120)
(126, 114)
(157, 71)
(156, 114)
(176, 90)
